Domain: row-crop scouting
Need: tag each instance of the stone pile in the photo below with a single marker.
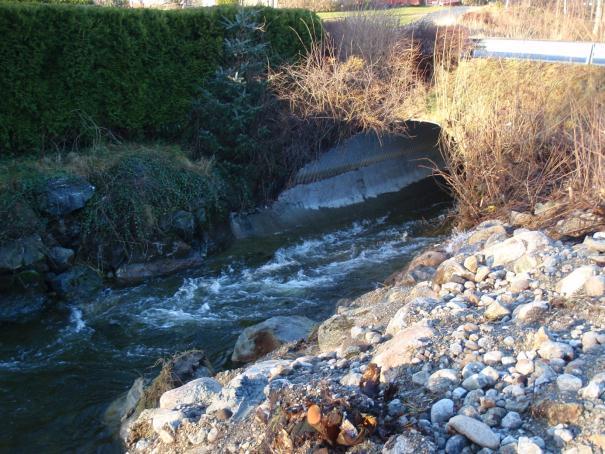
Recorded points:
(492, 342)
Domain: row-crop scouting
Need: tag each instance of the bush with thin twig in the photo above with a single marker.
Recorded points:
(364, 76)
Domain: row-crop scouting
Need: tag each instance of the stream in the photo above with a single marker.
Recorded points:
(58, 374)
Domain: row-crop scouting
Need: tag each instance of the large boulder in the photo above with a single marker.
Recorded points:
(505, 252)
(412, 312)
(575, 281)
(21, 253)
(333, 332)
(262, 338)
(245, 391)
(133, 273)
(79, 281)
(197, 392)
(60, 258)
(398, 352)
(64, 195)
(452, 271)
(181, 222)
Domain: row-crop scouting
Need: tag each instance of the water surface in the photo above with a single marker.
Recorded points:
(58, 374)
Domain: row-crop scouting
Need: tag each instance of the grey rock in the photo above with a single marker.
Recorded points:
(395, 408)
(472, 368)
(512, 420)
(473, 398)
(79, 281)
(595, 387)
(333, 332)
(476, 431)
(493, 416)
(528, 446)
(476, 381)
(530, 312)
(555, 350)
(505, 252)
(21, 253)
(456, 444)
(60, 258)
(403, 317)
(245, 391)
(133, 273)
(595, 286)
(411, 442)
(182, 223)
(496, 311)
(443, 380)
(64, 195)
(262, 338)
(569, 383)
(575, 281)
(442, 411)
(200, 392)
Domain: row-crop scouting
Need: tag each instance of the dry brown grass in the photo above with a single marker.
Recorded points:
(364, 76)
(518, 133)
(538, 20)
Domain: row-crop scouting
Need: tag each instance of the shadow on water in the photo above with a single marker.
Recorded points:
(58, 374)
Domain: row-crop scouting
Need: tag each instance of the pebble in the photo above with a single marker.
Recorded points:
(442, 411)
(562, 436)
(530, 312)
(493, 357)
(442, 380)
(476, 431)
(555, 350)
(569, 383)
(213, 435)
(526, 445)
(512, 420)
(496, 311)
(524, 366)
(395, 408)
(589, 340)
(595, 286)
(456, 444)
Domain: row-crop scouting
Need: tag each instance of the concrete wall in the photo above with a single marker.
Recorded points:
(362, 168)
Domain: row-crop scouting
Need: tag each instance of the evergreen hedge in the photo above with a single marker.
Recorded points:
(67, 70)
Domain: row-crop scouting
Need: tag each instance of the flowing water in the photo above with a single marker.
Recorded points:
(58, 374)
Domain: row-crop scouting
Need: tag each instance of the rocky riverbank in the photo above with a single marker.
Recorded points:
(492, 341)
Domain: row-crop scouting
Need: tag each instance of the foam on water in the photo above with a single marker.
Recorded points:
(94, 348)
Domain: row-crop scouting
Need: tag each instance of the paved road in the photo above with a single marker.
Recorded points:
(447, 16)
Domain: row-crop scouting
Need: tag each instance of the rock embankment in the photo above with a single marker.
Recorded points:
(492, 342)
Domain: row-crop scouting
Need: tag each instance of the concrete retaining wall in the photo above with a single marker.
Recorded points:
(362, 168)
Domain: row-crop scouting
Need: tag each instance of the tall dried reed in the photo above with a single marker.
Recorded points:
(516, 134)
(555, 20)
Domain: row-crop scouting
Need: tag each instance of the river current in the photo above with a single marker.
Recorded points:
(58, 374)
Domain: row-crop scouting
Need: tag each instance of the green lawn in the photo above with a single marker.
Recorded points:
(406, 14)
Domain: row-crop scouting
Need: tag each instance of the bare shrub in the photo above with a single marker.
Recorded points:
(363, 76)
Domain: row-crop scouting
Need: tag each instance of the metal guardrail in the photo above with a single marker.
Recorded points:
(585, 53)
